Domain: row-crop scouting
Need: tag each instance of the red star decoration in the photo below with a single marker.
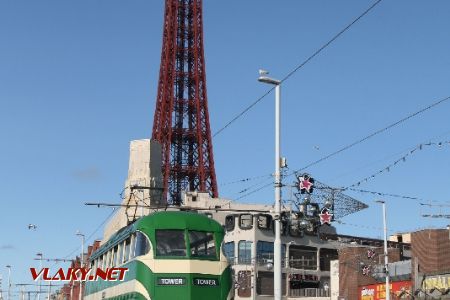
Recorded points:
(325, 217)
(305, 184)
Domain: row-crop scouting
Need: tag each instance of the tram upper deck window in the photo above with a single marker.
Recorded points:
(246, 221)
(142, 244)
(126, 252)
(202, 244)
(229, 223)
(170, 243)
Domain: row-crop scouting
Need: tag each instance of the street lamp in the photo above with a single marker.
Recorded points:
(9, 281)
(386, 261)
(81, 263)
(39, 255)
(277, 243)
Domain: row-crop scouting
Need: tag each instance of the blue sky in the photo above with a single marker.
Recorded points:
(78, 81)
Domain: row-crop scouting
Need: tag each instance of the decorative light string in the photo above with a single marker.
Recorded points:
(395, 163)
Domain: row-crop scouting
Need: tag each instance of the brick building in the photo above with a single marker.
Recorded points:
(71, 290)
(357, 268)
(431, 261)
(417, 270)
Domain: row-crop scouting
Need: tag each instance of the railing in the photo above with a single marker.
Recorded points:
(302, 263)
(309, 292)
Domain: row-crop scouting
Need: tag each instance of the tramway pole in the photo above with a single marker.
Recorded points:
(80, 294)
(277, 243)
(9, 281)
(40, 278)
(386, 259)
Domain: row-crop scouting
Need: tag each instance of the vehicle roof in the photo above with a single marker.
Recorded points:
(178, 220)
(161, 220)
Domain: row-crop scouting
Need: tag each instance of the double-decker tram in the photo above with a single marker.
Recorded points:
(167, 255)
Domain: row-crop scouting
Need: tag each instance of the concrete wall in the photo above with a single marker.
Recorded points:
(144, 170)
(334, 280)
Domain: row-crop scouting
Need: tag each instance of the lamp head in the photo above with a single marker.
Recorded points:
(263, 72)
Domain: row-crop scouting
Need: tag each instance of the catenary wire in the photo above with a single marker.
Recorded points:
(373, 134)
(335, 37)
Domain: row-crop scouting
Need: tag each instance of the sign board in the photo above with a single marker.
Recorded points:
(171, 281)
(378, 292)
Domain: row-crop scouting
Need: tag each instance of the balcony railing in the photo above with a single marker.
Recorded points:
(311, 292)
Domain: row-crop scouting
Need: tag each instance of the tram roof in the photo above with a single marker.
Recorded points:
(178, 220)
(161, 220)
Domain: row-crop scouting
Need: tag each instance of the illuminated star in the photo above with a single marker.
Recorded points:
(305, 184)
(325, 217)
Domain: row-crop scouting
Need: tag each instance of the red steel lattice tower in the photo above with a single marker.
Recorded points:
(181, 121)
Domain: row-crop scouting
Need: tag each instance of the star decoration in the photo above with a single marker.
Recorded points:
(305, 184)
(366, 270)
(370, 254)
(325, 217)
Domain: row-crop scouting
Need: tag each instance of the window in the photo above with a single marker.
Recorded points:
(244, 283)
(126, 252)
(264, 283)
(302, 257)
(246, 221)
(229, 223)
(264, 252)
(114, 256)
(245, 252)
(326, 255)
(111, 257)
(264, 221)
(132, 246)
(107, 259)
(100, 262)
(142, 244)
(119, 254)
(202, 244)
(283, 226)
(228, 250)
(170, 243)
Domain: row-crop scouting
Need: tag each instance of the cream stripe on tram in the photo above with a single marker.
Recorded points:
(120, 289)
(184, 266)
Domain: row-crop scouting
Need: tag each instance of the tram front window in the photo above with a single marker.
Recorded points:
(170, 243)
(202, 244)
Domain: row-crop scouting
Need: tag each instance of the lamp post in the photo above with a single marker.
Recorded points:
(80, 294)
(277, 243)
(9, 281)
(386, 261)
(39, 255)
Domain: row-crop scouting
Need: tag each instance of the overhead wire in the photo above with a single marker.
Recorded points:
(335, 37)
(359, 141)
(88, 238)
(401, 159)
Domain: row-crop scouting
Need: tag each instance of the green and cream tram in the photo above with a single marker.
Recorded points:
(168, 255)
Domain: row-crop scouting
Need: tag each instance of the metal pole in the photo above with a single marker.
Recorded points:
(80, 294)
(386, 258)
(49, 289)
(9, 281)
(40, 282)
(277, 269)
(277, 242)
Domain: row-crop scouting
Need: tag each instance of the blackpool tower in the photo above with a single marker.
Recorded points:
(181, 120)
